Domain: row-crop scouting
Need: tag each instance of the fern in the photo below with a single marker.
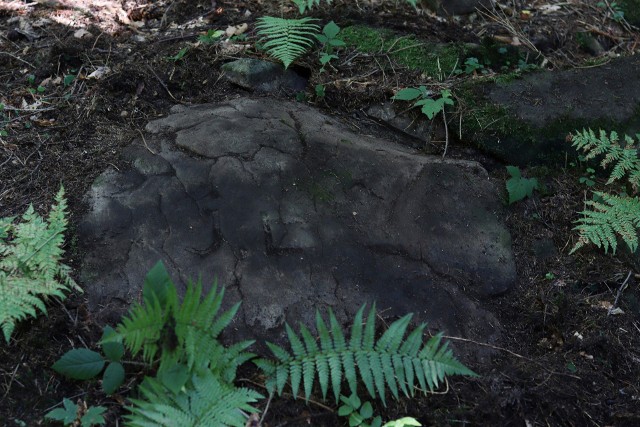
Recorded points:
(184, 334)
(611, 216)
(30, 267)
(623, 158)
(287, 39)
(303, 5)
(390, 362)
(205, 401)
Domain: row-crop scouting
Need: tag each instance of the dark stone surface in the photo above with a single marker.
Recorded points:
(293, 212)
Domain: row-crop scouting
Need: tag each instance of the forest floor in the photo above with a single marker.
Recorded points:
(564, 359)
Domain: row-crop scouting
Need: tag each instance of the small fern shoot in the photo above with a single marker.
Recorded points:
(30, 267)
(303, 5)
(391, 362)
(610, 217)
(204, 402)
(623, 157)
(287, 39)
(185, 334)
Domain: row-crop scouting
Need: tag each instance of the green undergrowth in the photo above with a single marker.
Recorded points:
(410, 51)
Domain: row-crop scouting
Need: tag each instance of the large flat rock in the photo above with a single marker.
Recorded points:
(292, 211)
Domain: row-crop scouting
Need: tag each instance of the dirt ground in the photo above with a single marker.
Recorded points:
(563, 360)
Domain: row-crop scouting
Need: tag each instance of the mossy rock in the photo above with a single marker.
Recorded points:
(436, 60)
(526, 121)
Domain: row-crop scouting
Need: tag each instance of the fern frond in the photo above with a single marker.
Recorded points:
(183, 332)
(287, 39)
(303, 5)
(205, 401)
(390, 362)
(30, 267)
(613, 216)
(623, 157)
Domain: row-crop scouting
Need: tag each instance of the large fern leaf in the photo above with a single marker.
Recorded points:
(391, 362)
(610, 217)
(622, 157)
(30, 267)
(204, 402)
(287, 39)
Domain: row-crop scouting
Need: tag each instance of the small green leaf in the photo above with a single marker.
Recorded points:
(331, 30)
(113, 349)
(68, 79)
(79, 364)
(178, 56)
(66, 415)
(41, 89)
(158, 282)
(93, 416)
(366, 411)
(113, 377)
(518, 187)
(3, 132)
(175, 377)
(355, 419)
(345, 410)
(571, 367)
(514, 171)
(408, 94)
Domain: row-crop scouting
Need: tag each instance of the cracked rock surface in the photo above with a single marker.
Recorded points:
(293, 212)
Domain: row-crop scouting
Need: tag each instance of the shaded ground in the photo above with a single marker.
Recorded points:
(563, 361)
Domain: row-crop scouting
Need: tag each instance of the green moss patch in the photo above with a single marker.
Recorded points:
(407, 50)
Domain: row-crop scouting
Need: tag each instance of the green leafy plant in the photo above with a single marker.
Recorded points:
(84, 364)
(518, 187)
(390, 362)
(304, 5)
(358, 412)
(205, 401)
(195, 372)
(211, 36)
(330, 40)
(30, 267)
(615, 10)
(68, 79)
(320, 90)
(423, 99)
(77, 415)
(178, 56)
(471, 66)
(589, 178)
(609, 216)
(403, 422)
(623, 157)
(287, 39)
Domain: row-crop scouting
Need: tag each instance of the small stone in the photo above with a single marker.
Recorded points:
(263, 76)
